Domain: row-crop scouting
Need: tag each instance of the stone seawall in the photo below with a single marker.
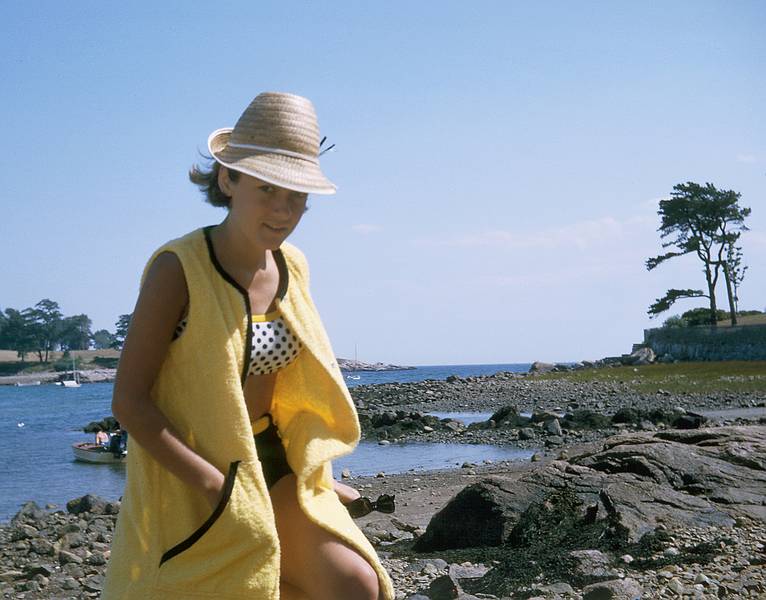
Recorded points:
(708, 343)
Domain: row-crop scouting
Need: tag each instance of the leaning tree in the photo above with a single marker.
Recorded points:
(707, 222)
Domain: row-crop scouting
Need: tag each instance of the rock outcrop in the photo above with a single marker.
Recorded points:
(698, 477)
(572, 518)
(347, 364)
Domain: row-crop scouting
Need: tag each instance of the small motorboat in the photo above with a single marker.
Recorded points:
(353, 377)
(27, 383)
(96, 453)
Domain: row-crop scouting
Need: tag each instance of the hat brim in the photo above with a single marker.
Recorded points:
(288, 172)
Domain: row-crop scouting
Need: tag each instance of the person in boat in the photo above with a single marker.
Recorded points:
(118, 443)
(233, 398)
(102, 438)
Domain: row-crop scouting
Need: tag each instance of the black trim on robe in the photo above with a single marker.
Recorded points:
(194, 537)
(284, 276)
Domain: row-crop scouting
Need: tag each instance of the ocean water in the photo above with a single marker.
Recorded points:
(438, 372)
(39, 424)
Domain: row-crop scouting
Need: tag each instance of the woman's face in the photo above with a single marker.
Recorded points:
(266, 213)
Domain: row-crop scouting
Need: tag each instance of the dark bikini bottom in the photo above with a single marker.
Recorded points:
(271, 453)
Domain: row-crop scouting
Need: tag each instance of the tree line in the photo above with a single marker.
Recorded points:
(706, 222)
(43, 328)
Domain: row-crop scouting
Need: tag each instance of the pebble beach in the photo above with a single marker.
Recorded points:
(708, 542)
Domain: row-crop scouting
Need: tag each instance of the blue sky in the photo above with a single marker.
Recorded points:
(499, 164)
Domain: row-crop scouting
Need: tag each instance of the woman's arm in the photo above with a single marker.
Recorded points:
(160, 305)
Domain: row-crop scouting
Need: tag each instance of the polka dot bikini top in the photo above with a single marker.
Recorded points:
(274, 345)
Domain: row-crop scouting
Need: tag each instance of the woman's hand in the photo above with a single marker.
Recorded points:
(214, 490)
(345, 492)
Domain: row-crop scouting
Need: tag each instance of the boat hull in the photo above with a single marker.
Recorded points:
(93, 453)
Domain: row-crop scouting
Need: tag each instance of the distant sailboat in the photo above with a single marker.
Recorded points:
(74, 382)
(356, 364)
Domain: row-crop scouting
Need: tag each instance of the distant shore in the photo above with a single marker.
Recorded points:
(101, 375)
(49, 377)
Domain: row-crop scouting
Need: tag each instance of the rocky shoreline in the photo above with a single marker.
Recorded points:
(675, 514)
(530, 412)
(103, 375)
(631, 495)
(348, 364)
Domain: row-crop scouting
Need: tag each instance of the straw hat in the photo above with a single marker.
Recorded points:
(277, 140)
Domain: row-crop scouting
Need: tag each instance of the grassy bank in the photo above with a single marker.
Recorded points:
(84, 359)
(679, 378)
(745, 320)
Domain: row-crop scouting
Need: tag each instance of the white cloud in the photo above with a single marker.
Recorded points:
(594, 269)
(365, 228)
(747, 158)
(580, 235)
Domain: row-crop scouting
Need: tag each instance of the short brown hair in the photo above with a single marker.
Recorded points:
(206, 179)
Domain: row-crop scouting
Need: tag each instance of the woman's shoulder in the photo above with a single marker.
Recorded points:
(295, 257)
(166, 271)
(169, 257)
(194, 238)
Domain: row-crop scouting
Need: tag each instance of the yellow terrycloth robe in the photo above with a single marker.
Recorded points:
(167, 544)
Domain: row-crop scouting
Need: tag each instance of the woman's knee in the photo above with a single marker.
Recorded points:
(342, 573)
(313, 559)
(368, 581)
(360, 581)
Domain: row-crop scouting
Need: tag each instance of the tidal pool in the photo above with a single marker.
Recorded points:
(465, 417)
(370, 458)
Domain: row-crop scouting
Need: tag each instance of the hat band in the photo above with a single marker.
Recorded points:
(307, 157)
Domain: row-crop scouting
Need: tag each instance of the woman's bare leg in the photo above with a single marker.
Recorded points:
(314, 560)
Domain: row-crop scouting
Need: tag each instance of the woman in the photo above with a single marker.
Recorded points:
(233, 399)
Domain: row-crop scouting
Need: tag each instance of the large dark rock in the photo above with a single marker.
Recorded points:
(689, 420)
(30, 512)
(642, 356)
(541, 367)
(105, 424)
(552, 537)
(720, 471)
(583, 418)
(482, 514)
(88, 503)
(575, 517)
(508, 416)
(692, 478)
(444, 588)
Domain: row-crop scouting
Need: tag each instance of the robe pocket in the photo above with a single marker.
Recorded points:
(236, 549)
(228, 487)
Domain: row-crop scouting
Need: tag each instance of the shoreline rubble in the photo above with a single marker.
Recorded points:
(696, 545)
(700, 534)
